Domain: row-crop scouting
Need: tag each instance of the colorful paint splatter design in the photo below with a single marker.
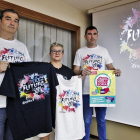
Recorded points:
(69, 101)
(33, 87)
(65, 77)
(102, 89)
(92, 62)
(102, 83)
(11, 55)
(130, 37)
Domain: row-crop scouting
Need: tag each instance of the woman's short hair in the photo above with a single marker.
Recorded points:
(56, 44)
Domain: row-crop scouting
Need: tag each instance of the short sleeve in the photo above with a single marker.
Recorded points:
(108, 58)
(8, 87)
(77, 60)
(27, 56)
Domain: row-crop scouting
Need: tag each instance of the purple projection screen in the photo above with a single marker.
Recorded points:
(119, 32)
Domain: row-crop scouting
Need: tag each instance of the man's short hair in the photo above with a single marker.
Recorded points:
(8, 10)
(56, 44)
(90, 28)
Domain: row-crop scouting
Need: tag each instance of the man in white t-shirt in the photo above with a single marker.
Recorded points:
(88, 58)
(11, 50)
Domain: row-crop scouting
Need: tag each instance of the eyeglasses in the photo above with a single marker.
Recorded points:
(57, 51)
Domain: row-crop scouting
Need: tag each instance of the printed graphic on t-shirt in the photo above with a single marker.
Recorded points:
(11, 55)
(65, 77)
(69, 101)
(92, 62)
(33, 87)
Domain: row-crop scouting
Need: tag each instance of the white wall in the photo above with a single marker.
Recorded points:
(59, 10)
(113, 35)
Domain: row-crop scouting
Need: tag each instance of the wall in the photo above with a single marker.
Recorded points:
(109, 37)
(59, 10)
(118, 131)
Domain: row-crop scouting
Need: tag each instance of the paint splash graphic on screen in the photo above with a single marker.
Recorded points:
(130, 37)
(92, 62)
(33, 87)
(12, 55)
(69, 101)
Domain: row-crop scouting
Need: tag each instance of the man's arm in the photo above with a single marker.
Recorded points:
(77, 70)
(3, 66)
(117, 72)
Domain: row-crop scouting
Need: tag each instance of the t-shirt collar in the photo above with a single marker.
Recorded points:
(94, 47)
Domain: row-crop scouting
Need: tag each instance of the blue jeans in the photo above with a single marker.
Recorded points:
(100, 118)
(5, 132)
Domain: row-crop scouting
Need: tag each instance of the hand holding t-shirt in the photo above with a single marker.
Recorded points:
(3, 66)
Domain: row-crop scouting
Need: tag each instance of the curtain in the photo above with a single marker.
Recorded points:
(38, 38)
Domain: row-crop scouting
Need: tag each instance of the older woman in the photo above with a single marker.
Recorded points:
(56, 54)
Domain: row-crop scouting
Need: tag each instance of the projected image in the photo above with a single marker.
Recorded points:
(130, 37)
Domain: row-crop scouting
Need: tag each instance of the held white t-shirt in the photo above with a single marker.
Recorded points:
(11, 51)
(69, 109)
(93, 59)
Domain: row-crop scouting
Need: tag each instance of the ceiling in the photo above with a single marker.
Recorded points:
(95, 5)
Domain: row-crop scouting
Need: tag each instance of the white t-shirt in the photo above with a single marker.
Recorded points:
(11, 51)
(69, 109)
(93, 59)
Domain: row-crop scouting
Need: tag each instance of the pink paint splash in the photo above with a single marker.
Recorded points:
(71, 109)
(38, 97)
(91, 68)
(130, 21)
(67, 108)
(63, 94)
(26, 79)
(4, 51)
(31, 95)
(87, 57)
(42, 96)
